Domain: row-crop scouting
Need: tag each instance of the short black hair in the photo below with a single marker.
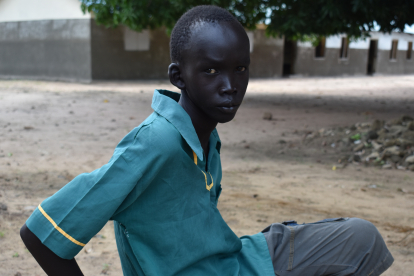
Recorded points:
(181, 32)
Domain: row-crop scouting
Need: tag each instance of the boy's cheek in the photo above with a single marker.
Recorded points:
(242, 85)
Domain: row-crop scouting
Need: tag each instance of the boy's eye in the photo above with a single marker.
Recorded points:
(211, 71)
(241, 68)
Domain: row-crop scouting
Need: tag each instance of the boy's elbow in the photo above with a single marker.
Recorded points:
(30, 240)
(27, 236)
(23, 232)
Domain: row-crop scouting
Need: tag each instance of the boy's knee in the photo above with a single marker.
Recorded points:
(361, 225)
(363, 232)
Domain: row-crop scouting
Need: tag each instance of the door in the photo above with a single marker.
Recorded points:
(372, 57)
(289, 57)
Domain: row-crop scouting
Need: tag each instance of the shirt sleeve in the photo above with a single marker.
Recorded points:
(66, 221)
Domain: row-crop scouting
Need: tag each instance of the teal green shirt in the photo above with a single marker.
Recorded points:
(162, 197)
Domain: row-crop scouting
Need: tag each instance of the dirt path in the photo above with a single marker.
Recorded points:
(50, 132)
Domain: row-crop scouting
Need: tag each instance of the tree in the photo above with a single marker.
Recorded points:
(142, 14)
(299, 19)
(295, 19)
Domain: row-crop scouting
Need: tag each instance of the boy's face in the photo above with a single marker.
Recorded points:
(215, 69)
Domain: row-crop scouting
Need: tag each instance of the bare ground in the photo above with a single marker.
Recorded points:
(50, 132)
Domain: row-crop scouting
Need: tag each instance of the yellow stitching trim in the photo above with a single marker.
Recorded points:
(58, 228)
(208, 187)
(195, 157)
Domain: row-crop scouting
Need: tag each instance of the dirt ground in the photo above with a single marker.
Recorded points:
(51, 132)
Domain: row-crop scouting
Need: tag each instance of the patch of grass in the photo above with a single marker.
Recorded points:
(105, 268)
(356, 137)
(15, 255)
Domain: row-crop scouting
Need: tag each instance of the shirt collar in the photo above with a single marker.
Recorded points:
(165, 103)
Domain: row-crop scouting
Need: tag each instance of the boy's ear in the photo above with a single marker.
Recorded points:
(174, 73)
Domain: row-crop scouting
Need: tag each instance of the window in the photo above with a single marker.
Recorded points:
(409, 50)
(320, 49)
(393, 52)
(134, 41)
(343, 54)
(250, 35)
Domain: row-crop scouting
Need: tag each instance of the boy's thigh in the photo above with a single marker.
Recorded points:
(340, 246)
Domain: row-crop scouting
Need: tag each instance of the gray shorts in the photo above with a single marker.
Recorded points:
(339, 246)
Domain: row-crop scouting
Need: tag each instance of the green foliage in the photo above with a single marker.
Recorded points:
(306, 20)
(142, 14)
(310, 19)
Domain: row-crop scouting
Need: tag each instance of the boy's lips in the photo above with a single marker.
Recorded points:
(228, 108)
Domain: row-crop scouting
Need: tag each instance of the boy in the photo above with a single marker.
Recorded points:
(162, 184)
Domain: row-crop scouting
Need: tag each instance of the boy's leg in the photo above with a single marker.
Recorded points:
(339, 247)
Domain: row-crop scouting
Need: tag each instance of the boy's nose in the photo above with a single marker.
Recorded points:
(228, 90)
(227, 87)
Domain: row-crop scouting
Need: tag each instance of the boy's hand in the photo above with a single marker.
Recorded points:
(51, 263)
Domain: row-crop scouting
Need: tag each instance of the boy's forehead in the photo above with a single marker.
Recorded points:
(215, 39)
(212, 31)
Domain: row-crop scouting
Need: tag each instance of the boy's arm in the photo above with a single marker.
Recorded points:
(51, 263)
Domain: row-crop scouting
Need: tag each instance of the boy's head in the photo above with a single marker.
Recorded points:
(210, 57)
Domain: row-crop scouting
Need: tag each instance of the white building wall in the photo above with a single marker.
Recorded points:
(359, 44)
(334, 41)
(331, 42)
(305, 44)
(28, 10)
(384, 41)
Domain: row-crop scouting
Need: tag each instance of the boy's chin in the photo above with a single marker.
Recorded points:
(220, 117)
(226, 119)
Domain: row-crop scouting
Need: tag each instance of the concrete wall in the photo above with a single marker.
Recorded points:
(80, 50)
(29, 10)
(110, 60)
(356, 64)
(398, 66)
(266, 57)
(331, 65)
(46, 49)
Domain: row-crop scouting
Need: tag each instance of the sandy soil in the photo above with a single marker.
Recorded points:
(50, 132)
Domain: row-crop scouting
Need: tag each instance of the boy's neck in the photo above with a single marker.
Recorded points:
(203, 125)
